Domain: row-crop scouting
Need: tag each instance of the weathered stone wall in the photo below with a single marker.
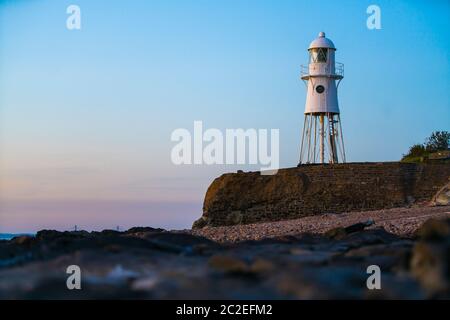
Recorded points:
(241, 198)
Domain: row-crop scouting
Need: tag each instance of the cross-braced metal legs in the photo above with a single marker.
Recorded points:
(322, 131)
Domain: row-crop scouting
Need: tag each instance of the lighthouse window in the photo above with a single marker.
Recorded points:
(320, 89)
(318, 55)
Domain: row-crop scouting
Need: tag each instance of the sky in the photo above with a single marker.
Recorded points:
(86, 115)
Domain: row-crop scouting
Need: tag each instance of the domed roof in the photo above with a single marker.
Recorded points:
(321, 42)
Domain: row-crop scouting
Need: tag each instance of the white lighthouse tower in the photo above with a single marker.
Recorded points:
(322, 140)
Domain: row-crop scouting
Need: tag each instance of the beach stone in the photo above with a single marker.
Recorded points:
(342, 232)
(336, 233)
(434, 229)
(23, 240)
(228, 264)
(261, 265)
(430, 265)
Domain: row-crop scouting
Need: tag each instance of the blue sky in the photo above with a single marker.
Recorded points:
(86, 115)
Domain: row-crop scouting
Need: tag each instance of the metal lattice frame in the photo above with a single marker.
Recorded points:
(324, 130)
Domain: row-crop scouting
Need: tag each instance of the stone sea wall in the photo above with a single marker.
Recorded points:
(242, 198)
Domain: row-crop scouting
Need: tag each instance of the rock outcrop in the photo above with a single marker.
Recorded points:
(242, 198)
(442, 197)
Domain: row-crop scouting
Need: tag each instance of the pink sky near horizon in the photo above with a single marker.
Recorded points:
(32, 216)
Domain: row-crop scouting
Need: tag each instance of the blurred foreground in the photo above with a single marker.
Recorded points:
(147, 263)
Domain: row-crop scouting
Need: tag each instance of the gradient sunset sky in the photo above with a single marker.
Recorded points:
(86, 115)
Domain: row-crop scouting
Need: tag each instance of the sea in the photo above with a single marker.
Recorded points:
(9, 236)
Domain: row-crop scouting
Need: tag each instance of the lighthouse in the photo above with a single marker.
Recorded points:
(322, 140)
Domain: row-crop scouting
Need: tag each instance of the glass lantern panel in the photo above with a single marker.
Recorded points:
(318, 55)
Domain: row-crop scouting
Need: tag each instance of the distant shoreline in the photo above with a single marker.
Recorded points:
(9, 236)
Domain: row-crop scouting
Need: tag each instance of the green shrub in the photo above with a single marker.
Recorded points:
(438, 141)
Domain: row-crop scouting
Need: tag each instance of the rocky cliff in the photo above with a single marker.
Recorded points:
(242, 198)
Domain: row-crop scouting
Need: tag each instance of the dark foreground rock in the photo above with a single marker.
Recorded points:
(146, 263)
